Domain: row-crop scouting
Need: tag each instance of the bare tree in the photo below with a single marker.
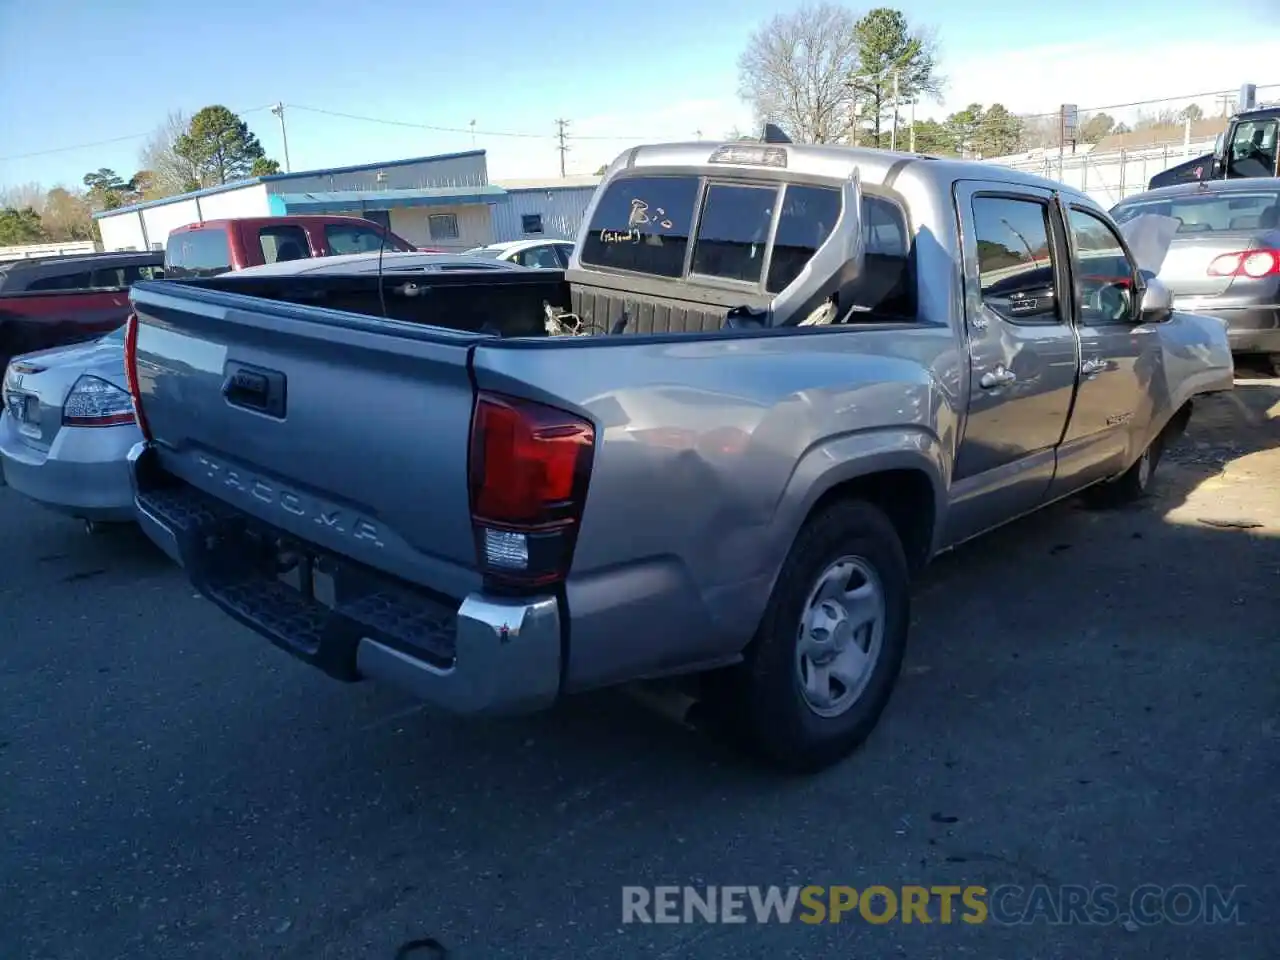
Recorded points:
(21, 196)
(1039, 131)
(796, 70)
(169, 173)
(67, 215)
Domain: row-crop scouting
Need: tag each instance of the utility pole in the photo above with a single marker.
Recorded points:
(893, 136)
(1225, 98)
(913, 124)
(278, 110)
(564, 147)
(473, 134)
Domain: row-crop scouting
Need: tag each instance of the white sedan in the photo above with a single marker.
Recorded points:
(538, 254)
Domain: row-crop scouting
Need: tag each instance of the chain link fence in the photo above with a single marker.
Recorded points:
(1119, 148)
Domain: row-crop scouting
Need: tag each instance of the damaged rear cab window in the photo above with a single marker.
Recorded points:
(642, 224)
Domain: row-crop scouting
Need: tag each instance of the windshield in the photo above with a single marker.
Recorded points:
(1209, 212)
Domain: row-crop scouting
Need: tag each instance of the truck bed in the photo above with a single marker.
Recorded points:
(514, 304)
(501, 304)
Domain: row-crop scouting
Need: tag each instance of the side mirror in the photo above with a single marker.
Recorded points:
(1219, 147)
(1157, 302)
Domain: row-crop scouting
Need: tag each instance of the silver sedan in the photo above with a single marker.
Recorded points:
(66, 428)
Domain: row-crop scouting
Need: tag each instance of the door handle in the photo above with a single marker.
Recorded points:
(1091, 367)
(999, 377)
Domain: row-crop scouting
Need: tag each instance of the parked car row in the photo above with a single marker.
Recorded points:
(67, 422)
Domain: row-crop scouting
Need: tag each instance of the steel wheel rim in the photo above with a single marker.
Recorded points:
(840, 636)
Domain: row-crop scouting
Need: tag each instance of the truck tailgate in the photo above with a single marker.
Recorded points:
(347, 431)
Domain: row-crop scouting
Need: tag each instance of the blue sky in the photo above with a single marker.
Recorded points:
(622, 72)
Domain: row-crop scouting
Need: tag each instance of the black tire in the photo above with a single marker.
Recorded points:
(1132, 485)
(770, 710)
(1273, 364)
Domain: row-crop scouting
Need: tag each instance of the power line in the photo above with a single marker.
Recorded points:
(469, 129)
(563, 138)
(104, 143)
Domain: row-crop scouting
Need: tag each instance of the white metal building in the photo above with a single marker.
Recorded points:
(66, 248)
(443, 201)
(542, 208)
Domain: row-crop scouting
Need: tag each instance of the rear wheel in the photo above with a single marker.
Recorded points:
(829, 649)
(1273, 362)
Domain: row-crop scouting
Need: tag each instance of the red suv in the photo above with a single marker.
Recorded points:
(217, 246)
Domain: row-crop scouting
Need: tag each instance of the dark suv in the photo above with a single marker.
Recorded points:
(51, 301)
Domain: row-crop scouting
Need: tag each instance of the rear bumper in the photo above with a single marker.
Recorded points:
(485, 655)
(84, 473)
(1250, 329)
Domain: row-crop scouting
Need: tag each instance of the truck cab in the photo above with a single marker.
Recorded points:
(210, 247)
(1246, 149)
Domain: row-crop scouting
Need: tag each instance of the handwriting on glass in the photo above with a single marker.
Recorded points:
(639, 217)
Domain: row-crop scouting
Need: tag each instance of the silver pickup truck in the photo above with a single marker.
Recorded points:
(774, 381)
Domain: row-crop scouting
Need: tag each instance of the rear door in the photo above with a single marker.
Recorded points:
(1121, 360)
(279, 243)
(342, 238)
(1023, 353)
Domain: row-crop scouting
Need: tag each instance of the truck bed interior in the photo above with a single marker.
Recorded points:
(514, 304)
(500, 303)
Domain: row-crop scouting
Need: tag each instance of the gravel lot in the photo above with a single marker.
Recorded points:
(1090, 698)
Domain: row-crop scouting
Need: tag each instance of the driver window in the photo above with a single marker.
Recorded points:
(1253, 149)
(1015, 259)
(1104, 273)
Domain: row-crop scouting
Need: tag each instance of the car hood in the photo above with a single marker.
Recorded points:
(50, 374)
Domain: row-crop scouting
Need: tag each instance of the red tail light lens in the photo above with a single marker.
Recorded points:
(131, 371)
(529, 469)
(1254, 264)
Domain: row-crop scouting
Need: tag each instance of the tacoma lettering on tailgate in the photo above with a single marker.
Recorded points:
(326, 516)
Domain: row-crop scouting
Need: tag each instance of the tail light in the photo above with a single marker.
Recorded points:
(1254, 264)
(94, 402)
(529, 469)
(131, 371)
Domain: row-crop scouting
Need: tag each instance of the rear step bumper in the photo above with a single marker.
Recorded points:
(487, 655)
